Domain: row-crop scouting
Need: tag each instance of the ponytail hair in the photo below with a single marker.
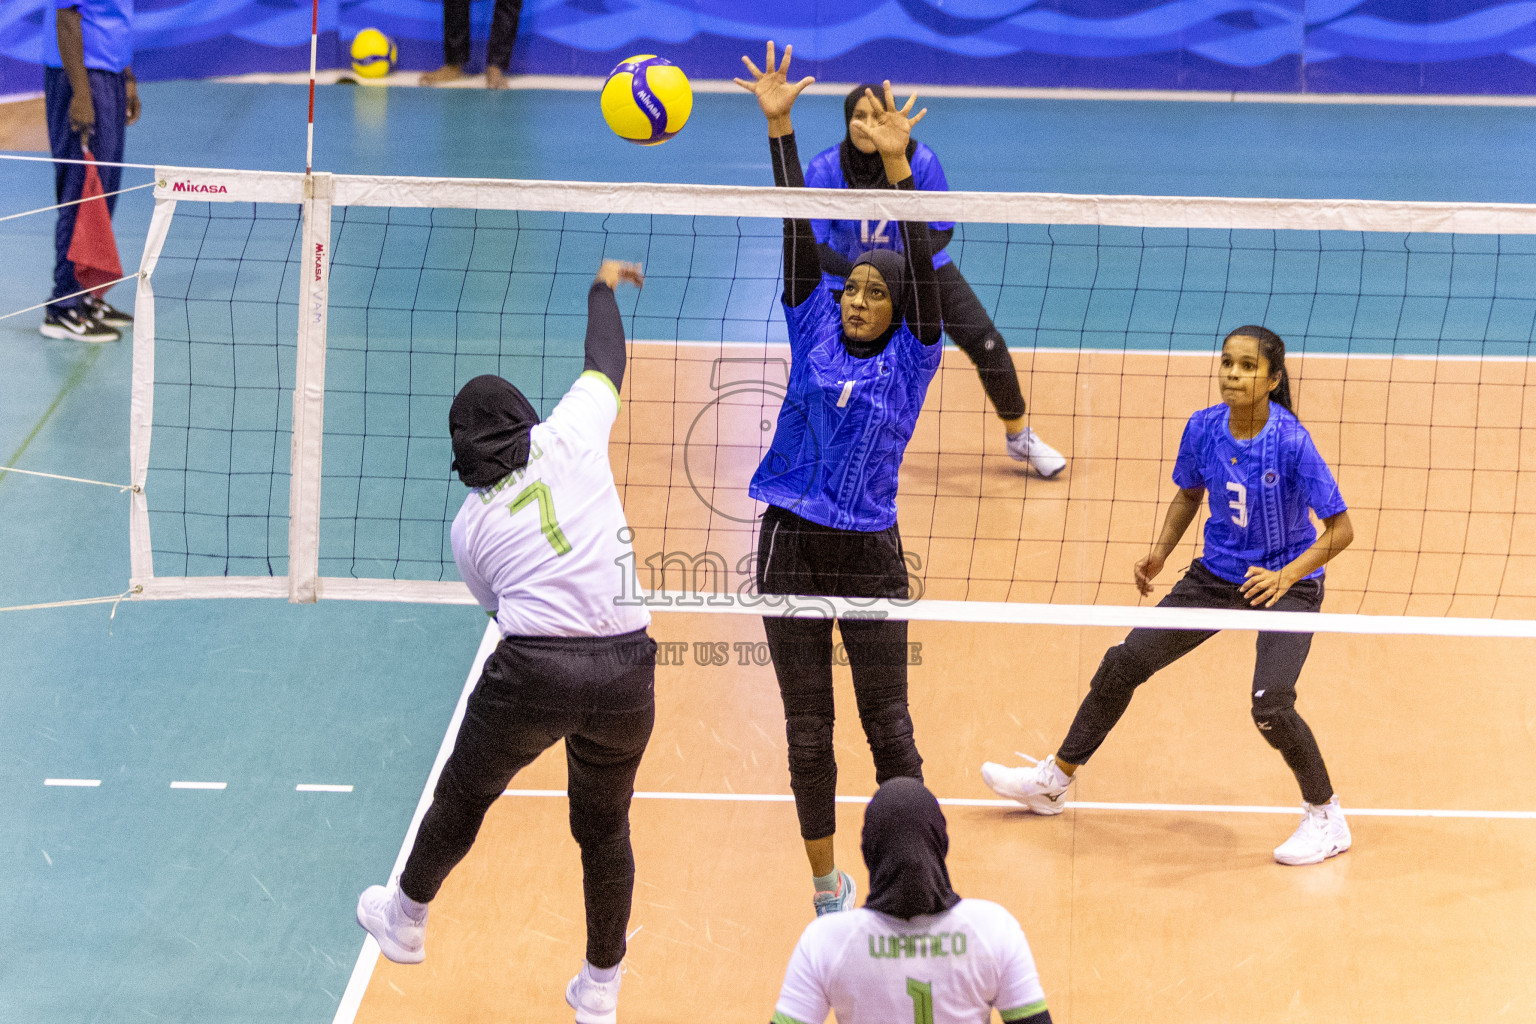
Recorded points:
(1273, 351)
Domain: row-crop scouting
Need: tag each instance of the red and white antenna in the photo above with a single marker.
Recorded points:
(314, 43)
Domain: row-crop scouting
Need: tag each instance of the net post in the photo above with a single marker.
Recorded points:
(309, 395)
(141, 413)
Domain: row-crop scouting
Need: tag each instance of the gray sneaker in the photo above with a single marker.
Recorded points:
(842, 899)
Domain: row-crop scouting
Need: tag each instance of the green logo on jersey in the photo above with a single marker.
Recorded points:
(924, 945)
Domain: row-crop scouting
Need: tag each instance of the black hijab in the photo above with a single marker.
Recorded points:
(864, 170)
(905, 840)
(892, 266)
(489, 422)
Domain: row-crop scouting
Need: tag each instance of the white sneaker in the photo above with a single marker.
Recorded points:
(1323, 833)
(401, 937)
(595, 1002)
(1026, 446)
(1040, 787)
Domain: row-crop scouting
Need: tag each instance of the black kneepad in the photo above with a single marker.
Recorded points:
(810, 738)
(1278, 727)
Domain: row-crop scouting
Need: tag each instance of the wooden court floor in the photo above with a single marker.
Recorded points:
(1436, 458)
(1150, 912)
(1153, 914)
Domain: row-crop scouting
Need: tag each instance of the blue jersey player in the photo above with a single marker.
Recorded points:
(860, 367)
(854, 163)
(1256, 465)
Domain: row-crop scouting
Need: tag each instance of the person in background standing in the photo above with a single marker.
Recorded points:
(498, 52)
(90, 97)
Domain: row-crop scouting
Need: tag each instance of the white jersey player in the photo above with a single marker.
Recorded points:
(541, 541)
(915, 951)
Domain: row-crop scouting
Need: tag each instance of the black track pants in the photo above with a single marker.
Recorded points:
(598, 694)
(968, 325)
(1276, 669)
(796, 556)
(498, 52)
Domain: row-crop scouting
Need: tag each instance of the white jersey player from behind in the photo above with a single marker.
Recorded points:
(539, 541)
(915, 951)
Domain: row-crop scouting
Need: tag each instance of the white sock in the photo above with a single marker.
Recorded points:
(409, 908)
(828, 882)
(602, 974)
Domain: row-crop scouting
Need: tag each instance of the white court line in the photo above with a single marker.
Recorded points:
(368, 956)
(317, 787)
(82, 783)
(202, 785)
(1080, 805)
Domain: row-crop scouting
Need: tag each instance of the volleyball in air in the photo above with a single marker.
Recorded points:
(373, 53)
(647, 100)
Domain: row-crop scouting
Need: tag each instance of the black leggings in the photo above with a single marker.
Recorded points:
(596, 693)
(968, 325)
(1276, 669)
(796, 556)
(498, 52)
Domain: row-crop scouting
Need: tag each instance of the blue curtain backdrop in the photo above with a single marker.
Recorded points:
(1400, 46)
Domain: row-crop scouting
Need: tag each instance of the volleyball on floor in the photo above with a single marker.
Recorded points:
(373, 54)
(647, 100)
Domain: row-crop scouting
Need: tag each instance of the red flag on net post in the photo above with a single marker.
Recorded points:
(93, 248)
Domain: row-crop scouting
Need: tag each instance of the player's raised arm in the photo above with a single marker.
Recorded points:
(890, 129)
(605, 328)
(776, 96)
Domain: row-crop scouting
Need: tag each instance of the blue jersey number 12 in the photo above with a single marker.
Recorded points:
(877, 236)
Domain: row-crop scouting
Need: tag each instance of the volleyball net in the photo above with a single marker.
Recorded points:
(299, 341)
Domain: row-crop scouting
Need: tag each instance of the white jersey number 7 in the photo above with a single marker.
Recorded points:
(538, 491)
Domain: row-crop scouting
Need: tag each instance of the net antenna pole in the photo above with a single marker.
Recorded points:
(314, 46)
(309, 365)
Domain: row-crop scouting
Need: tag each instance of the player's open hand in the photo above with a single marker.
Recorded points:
(1145, 572)
(1263, 587)
(890, 128)
(613, 271)
(775, 93)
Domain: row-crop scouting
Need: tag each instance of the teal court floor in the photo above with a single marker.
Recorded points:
(133, 900)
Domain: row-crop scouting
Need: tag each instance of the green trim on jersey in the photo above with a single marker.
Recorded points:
(779, 1017)
(600, 375)
(1023, 1012)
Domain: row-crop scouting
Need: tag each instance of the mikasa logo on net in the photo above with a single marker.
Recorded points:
(193, 186)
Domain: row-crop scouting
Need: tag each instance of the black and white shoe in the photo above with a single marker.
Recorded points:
(107, 313)
(75, 323)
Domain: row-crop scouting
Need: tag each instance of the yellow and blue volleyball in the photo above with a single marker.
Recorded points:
(373, 53)
(647, 100)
